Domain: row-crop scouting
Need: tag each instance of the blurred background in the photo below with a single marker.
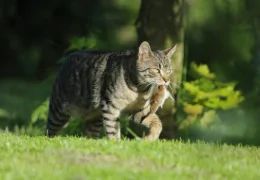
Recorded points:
(217, 63)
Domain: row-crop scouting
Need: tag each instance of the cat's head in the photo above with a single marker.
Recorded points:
(154, 67)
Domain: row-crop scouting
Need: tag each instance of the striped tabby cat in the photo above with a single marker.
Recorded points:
(99, 86)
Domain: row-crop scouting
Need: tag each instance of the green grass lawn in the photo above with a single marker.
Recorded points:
(24, 157)
(74, 158)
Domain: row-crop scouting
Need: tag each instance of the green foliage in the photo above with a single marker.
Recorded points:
(209, 117)
(220, 34)
(213, 94)
(198, 71)
(80, 43)
(39, 119)
(203, 97)
(18, 98)
(4, 113)
(41, 112)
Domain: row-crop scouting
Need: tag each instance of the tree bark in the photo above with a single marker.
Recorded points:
(161, 24)
(253, 16)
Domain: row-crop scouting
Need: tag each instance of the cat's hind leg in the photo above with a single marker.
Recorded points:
(57, 118)
(93, 129)
(93, 125)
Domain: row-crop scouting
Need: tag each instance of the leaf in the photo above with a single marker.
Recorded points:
(208, 118)
(187, 122)
(132, 133)
(4, 113)
(201, 71)
(193, 109)
(40, 112)
(79, 43)
(233, 100)
(191, 88)
(205, 84)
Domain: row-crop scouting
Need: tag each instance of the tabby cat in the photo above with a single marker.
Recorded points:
(99, 86)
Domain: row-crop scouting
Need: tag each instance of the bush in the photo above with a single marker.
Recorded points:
(203, 96)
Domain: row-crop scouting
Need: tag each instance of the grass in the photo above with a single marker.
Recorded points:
(24, 157)
(75, 158)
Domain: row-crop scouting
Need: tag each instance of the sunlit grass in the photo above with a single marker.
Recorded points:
(24, 157)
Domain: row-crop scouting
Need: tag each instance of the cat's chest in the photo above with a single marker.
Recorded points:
(138, 103)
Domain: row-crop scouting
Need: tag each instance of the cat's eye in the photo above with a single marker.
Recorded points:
(169, 71)
(153, 70)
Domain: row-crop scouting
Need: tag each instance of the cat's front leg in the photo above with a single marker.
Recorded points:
(151, 121)
(154, 124)
(110, 117)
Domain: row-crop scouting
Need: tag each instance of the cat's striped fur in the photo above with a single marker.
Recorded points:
(99, 86)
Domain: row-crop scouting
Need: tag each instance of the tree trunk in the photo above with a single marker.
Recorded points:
(253, 15)
(161, 24)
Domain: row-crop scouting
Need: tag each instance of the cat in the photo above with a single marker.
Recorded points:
(98, 86)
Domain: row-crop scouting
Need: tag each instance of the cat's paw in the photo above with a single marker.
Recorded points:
(150, 137)
(138, 139)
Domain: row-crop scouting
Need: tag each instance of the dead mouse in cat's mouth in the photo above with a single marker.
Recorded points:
(163, 94)
(159, 98)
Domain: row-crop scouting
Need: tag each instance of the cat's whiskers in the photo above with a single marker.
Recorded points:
(149, 84)
(171, 89)
(175, 85)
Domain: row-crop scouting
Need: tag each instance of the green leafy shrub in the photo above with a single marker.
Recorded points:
(41, 112)
(202, 97)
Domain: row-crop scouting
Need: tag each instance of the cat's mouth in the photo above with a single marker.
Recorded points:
(164, 83)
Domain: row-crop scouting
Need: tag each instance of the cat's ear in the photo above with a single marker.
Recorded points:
(145, 51)
(170, 51)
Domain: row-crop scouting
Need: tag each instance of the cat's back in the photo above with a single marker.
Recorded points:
(78, 64)
(86, 58)
(86, 74)
(80, 77)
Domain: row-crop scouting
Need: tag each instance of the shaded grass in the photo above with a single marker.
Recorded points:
(24, 157)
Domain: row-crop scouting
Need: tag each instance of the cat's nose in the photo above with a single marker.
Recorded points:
(167, 83)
